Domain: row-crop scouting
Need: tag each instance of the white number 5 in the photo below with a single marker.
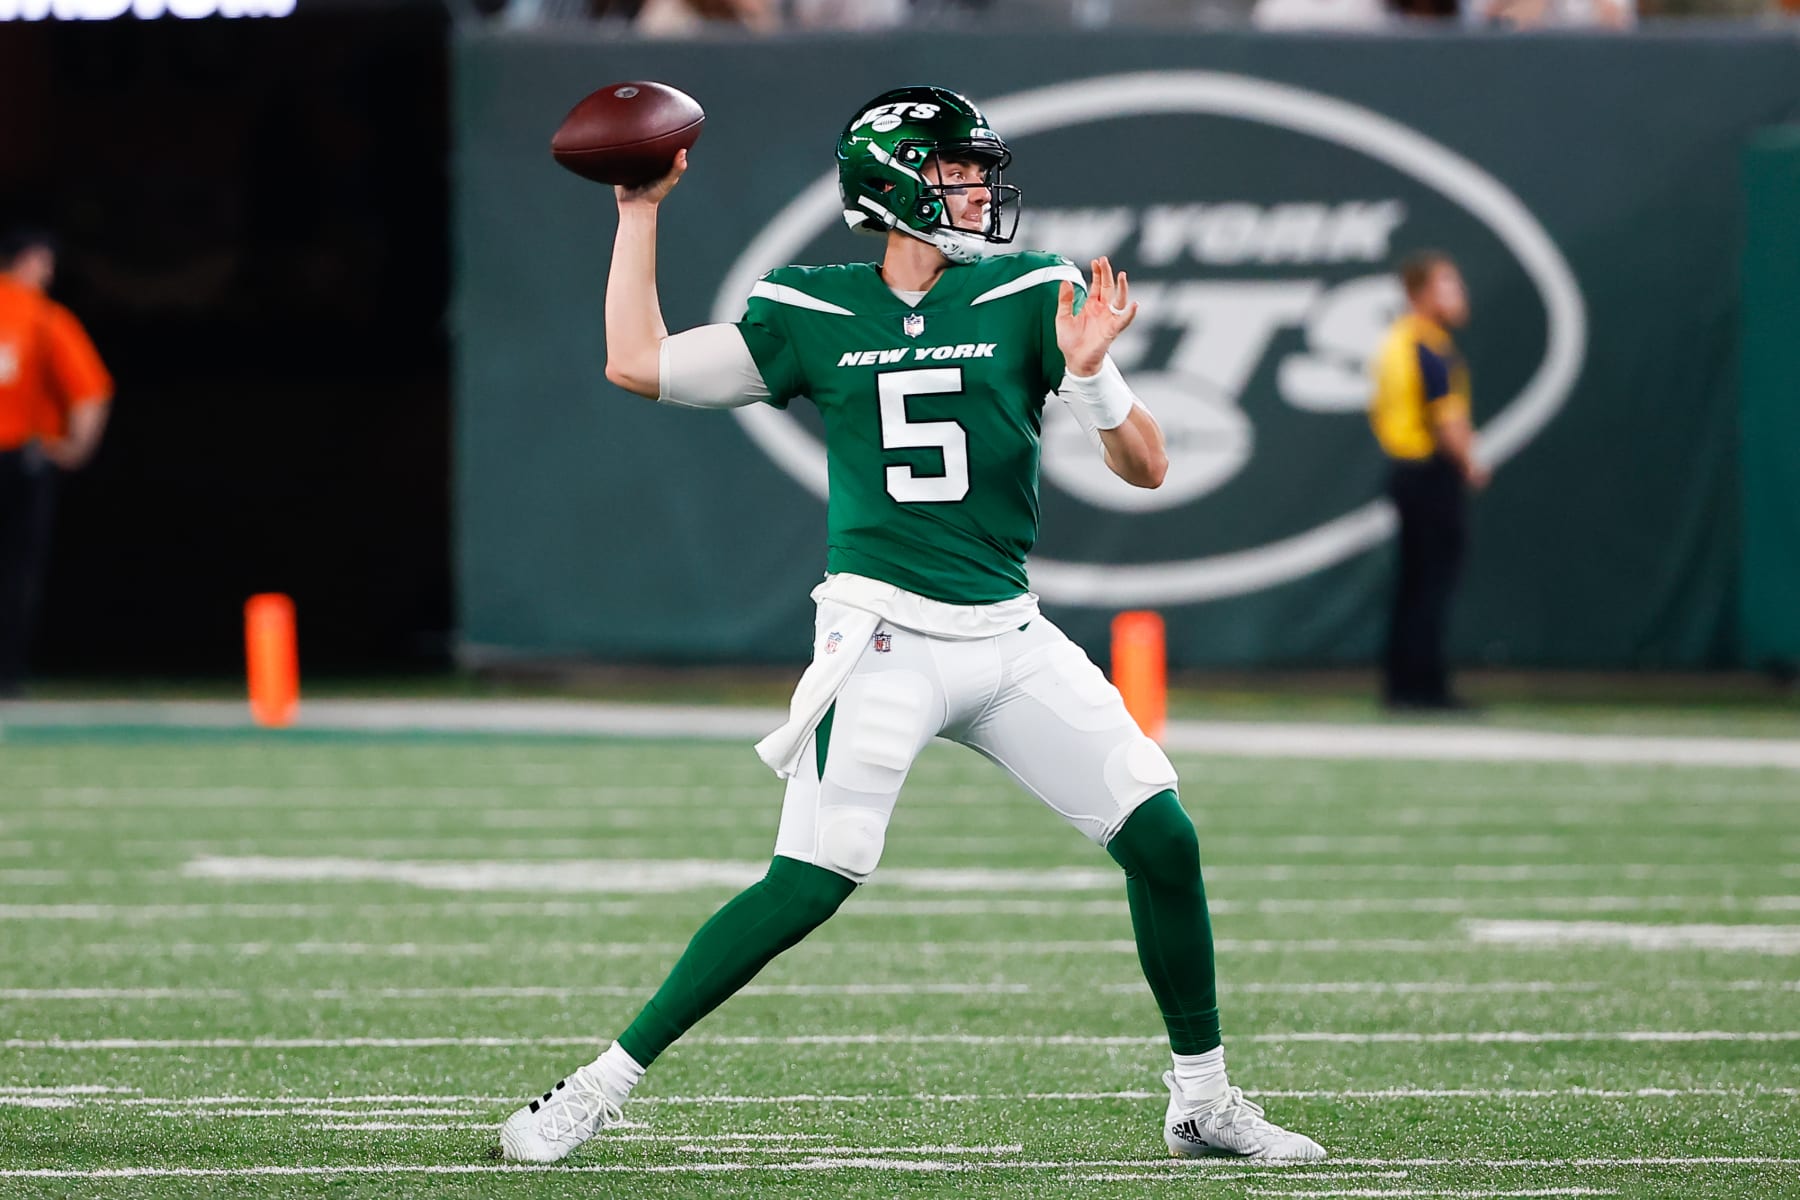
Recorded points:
(898, 433)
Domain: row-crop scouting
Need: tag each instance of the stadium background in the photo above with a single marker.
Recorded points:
(354, 312)
(318, 369)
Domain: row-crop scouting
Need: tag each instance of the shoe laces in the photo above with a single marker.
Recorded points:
(1232, 1108)
(572, 1113)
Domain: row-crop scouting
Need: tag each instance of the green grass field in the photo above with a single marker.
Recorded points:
(1464, 979)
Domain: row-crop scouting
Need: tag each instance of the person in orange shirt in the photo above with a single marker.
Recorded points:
(54, 397)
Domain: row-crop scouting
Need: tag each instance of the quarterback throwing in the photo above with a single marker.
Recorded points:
(930, 370)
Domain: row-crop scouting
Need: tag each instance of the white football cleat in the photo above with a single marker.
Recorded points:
(1229, 1124)
(570, 1113)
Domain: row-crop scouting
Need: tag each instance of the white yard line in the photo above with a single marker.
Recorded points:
(526, 949)
(1719, 874)
(878, 1164)
(1232, 739)
(1761, 939)
(391, 1126)
(471, 1105)
(1422, 1193)
(1346, 987)
(1339, 907)
(1418, 1037)
(510, 993)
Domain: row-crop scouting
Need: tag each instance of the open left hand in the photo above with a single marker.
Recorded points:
(1084, 337)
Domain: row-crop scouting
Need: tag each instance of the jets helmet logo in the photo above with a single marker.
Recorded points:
(885, 118)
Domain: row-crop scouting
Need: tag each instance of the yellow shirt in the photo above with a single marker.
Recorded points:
(1420, 380)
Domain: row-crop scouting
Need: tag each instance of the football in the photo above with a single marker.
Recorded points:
(627, 133)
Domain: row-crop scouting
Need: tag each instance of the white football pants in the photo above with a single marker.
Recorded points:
(1029, 700)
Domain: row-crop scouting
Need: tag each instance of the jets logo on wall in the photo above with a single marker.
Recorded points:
(1261, 238)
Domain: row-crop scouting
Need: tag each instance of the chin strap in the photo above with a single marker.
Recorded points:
(960, 247)
(957, 246)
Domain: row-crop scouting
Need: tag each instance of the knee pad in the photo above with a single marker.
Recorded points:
(1136, 770)
(850, 840)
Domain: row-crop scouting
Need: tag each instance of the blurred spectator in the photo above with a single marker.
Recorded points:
(850, 14)
(1555, 14)
(1420, 413)
(54, 395)
(680, 18)
(1319, 14)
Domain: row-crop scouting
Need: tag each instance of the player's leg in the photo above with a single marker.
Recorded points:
(1444, 536)
(833, 826)
(27, 488)
(1059, 728)
(1407, 657)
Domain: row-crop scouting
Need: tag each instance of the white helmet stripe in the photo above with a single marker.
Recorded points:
(887, 160)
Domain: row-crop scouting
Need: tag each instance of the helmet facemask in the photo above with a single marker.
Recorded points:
(931, 201)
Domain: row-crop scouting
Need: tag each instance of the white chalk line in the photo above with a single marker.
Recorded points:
(1342, 907)
(1229, 739)
(1288, 1174)
(1347, 987)
(1635, 839)
(826, 1163)
(1715, 873)
(528, 949)
(1397, 1037)
(1763, 939)
(475, 1105)
(1435, 1193)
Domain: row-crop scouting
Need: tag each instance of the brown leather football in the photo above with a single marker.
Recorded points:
(627, 133)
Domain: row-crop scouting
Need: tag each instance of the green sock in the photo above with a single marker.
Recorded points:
(1161, 855)
(775, 912)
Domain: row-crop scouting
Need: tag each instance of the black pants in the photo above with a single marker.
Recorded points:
(27, 501)
(1433, 504)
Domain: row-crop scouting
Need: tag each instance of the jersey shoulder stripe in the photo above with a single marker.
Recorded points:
(1025, 270)
(1030, 280)
(782, 293)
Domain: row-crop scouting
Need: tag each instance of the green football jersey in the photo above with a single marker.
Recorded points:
(933, 412)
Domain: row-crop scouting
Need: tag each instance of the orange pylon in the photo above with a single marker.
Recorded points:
(1141, 669)
(273, 657)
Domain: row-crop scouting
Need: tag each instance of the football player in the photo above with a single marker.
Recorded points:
(930, 370)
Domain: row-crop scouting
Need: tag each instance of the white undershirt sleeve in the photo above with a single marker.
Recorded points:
(708, 366)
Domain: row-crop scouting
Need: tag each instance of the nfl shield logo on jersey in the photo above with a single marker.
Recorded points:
(884, 642)
(913, 325)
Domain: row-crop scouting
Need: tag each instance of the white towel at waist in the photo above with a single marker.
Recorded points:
(841, 635)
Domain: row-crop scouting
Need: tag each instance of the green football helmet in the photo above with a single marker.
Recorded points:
(881, 158)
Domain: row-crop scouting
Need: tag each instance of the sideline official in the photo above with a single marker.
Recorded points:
(1420, 413)
(54, 396)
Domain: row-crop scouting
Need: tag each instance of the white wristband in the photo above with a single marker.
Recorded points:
(1105, 397)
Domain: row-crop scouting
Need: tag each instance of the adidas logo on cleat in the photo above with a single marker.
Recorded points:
(1189, 1130)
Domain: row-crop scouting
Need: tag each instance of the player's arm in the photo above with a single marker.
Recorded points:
(634, 322)
(86, 388)
(1447, 408)
(1129, 436)
(87, 422)
(1456, 436)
